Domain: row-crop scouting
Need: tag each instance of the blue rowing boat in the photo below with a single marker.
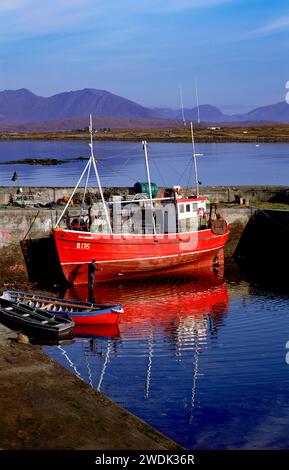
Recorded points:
(82, 313)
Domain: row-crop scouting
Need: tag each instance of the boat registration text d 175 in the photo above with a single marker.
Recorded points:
(83, 246)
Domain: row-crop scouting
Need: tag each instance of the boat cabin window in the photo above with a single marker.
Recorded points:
(189, 207)
(190, 216)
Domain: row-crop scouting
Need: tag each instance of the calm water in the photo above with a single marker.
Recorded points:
(199, 358)
(122, 163)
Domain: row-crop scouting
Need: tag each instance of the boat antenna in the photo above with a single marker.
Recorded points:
(182, 104)
(144, 143)
(94, 161)
(195, 155)
(197, 98)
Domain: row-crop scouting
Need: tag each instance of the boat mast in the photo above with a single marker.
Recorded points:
(144, 143)
(197, 98)
(195, 159)
(70, 199)
(182, 103)
(94, 161)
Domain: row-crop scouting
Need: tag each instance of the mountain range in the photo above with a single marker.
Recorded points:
(69, 110)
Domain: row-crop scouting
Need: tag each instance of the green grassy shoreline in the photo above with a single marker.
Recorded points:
(218, 134)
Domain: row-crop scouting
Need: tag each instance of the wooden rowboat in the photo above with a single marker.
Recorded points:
(82, 313)
(33, 321)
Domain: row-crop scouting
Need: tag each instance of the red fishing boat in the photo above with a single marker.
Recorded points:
(138, 236)
(132, 255)
(134, 236)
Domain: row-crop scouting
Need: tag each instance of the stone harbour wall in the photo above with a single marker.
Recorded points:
(226, 194)
(15, 224)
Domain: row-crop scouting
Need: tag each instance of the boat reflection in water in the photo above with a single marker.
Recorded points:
(96, 331)
(183, 299)
(183, 308)
(150, 363)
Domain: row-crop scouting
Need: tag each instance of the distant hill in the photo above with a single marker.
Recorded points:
(207, 112)
(98, 123)
(278, 112)
(24, 108)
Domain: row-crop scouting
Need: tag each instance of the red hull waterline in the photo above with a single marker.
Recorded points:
(131, 256)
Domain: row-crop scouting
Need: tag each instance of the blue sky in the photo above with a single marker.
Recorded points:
(238, 50)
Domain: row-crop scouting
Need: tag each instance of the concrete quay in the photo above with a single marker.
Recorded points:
(44, 407)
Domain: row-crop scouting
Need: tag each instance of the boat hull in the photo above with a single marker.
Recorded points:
(110, 318)
(34, 321)
(82, 313)
(132, 256)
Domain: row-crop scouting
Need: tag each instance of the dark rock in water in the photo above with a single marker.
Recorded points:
(42, 161)
(35, 161)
